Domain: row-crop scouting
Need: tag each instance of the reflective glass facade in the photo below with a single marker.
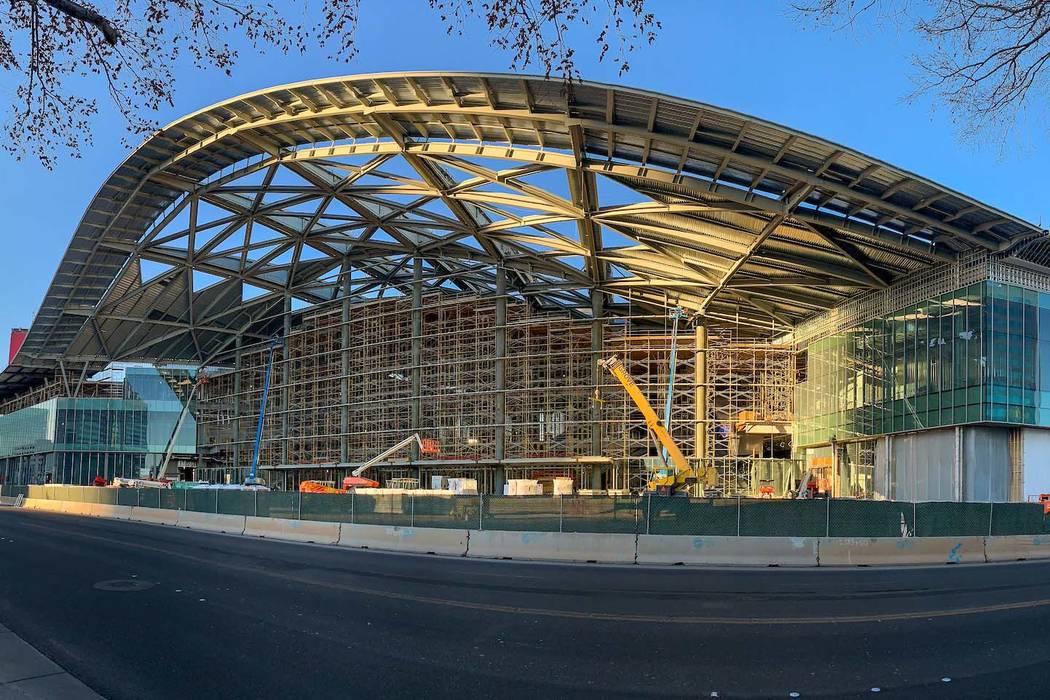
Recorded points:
(73, 440)
(979, 354)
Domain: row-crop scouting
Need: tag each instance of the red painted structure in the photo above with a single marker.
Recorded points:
(18, 336)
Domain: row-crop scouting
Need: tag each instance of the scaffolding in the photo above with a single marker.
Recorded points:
(458, 376)
(550, 385)
(345, 386)
(749, 412)
(56, 388)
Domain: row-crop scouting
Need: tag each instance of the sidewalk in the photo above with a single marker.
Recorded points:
(26, 673)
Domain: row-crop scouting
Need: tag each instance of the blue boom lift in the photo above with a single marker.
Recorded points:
(252, 478)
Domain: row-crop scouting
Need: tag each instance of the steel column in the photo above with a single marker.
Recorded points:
(501, 378)
(285, 383)
(597, 312)
(417, 352)
(344, 384)
(957, 465)
(700, 394)
(236, 432)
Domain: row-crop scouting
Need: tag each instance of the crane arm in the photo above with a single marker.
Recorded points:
(652, 421)
(676, 315)
(387, 452)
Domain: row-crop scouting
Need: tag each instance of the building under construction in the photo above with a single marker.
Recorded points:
(500, 390)
(452, 254)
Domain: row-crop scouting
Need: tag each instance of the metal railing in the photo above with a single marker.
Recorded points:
(655, 515)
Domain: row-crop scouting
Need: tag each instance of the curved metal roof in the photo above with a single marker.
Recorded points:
(320, 188)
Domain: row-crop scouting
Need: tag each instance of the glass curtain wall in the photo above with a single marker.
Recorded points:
(71, 441)
(979, 354)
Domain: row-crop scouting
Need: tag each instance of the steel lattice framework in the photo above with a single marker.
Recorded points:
(589, 198)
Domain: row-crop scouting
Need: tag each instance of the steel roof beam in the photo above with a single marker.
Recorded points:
(711, 220)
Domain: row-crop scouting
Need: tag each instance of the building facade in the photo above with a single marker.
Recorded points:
(944, 397)
(452, 253)
(123, 428)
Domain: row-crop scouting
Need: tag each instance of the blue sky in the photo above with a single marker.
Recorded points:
(752, 56)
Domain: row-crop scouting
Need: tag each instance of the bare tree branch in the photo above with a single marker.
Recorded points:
(987, 60)
(51, 45)
(538, 32)
(87, 15)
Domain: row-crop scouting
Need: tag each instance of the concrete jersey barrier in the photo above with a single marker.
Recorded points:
(883, 551)
(157, 516)
(50, 506)
(419, 540)
(292, 530)
(606, 548)
(105, 510)
(1017, 547)
(611, 548)
(720, 550)
(212, 522)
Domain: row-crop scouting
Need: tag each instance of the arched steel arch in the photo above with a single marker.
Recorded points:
(331, 187)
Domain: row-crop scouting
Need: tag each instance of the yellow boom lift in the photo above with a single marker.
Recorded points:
(681, 474)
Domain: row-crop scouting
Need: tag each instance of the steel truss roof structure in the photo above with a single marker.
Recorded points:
(320, 189)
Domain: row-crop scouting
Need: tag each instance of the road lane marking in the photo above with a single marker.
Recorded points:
(568, 614)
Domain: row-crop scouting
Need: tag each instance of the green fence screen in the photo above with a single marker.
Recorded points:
(870, 518)
(688, 516)
(654, 515)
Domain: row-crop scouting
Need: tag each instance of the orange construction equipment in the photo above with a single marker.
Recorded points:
(318, 487)
(1044, 498)
(349, 484)
(353, 482)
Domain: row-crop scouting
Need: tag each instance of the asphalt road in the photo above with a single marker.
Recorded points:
(210, 616)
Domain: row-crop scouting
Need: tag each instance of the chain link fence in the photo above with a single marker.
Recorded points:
(652, 515)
